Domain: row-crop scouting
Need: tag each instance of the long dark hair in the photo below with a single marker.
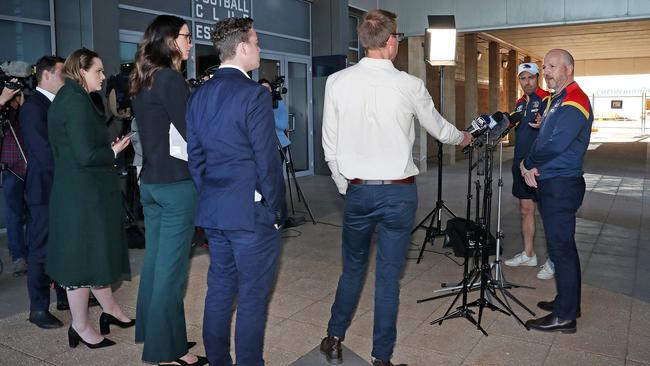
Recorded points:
(157, 50)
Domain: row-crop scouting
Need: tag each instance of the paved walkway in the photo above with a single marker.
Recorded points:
(612, 234)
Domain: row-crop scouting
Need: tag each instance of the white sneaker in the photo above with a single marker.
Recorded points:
(522, 259)
(547, 271)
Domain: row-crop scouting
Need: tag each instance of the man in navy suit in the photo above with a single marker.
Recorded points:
(233, 159)
(40, 171)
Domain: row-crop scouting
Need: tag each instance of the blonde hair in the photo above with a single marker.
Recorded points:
(81, 59)
(376, 28)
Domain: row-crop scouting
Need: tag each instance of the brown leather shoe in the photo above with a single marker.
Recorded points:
(331, 348)
(377, 362)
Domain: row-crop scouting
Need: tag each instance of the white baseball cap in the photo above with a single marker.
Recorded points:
(528, 66)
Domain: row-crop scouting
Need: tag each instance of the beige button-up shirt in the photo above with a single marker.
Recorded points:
(368, 129)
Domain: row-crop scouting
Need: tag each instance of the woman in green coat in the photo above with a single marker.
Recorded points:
(87, 249)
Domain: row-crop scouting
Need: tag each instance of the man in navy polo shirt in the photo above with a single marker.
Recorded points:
(554, 167)
(531, 105)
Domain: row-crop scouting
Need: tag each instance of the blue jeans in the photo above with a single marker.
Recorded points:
(559, 199)
(243, 265)
(390, 209)
(14, 191)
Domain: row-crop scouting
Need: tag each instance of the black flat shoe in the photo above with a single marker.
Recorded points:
(44, 319)
(105, 320)
(74, 338)
(199, 362)
(548, 306)
(552, 323)
(331, 348)
(190, 345)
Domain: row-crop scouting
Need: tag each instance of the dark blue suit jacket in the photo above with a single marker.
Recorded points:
(40, 162)
(233, 151)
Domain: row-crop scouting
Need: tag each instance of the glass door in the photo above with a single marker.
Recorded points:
(296, 71)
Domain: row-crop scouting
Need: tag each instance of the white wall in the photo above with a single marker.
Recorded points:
(474, 15)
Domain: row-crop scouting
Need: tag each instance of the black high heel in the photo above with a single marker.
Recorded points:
(105, 320)
(74, 338)
(200, 361)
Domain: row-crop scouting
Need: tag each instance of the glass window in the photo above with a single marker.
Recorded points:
(135, 20)
(32, 41)
(183, 8)
(206, 56)
(284, 17)
(280, 44)
(354, 37)
(127, 52)
(353, 57)
(33, 9)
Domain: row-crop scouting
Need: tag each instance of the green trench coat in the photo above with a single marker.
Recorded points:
(87, 242)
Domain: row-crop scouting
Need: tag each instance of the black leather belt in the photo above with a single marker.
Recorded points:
(409, 180)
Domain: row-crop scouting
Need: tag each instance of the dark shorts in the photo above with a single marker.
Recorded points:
(519, 187)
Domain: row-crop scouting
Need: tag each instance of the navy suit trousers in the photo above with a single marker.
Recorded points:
(38, 283)
(242, 265)
(559, 199)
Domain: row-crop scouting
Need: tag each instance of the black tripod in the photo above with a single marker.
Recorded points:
(499, 282)
(482, 270)
(291, 174)
(4, 123)
(434, 229)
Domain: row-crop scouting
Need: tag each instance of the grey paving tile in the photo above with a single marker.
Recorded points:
(10, 356)
(502, 350)
(571, 357)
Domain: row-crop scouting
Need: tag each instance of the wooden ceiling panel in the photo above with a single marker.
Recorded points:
(584, 41)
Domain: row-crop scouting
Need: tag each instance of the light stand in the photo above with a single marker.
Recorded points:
(442, 30)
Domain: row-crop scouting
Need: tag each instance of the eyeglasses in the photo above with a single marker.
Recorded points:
(398, 36)
(188, 36)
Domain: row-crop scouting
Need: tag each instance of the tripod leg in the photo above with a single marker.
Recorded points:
(421, 224)
(428, 236)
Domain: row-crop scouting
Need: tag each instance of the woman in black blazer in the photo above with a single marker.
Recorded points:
(168, 196)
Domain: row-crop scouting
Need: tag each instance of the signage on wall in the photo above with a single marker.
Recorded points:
(214, 10)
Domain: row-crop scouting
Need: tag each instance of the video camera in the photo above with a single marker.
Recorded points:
(19, 70)
(277, 88)
(205, 76)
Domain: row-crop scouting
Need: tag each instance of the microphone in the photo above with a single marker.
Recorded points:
(480, 124)
(511, 121)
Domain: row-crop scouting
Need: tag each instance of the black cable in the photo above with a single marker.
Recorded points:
(448, 255)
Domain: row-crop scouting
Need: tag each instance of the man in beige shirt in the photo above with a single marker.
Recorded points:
(368, 134)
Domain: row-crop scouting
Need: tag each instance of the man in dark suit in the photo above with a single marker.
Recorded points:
(40, 169)
(232, 150)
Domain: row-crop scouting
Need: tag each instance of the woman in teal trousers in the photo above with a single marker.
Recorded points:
(159, 95)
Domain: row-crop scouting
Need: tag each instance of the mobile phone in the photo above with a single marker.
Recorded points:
(130, 134)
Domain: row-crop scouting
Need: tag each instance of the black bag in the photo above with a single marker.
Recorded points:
(456, 236)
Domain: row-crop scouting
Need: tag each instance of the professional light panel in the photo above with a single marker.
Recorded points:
(440, 40)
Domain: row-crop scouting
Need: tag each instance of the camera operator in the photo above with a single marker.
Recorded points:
(13, 174)
(280, 114)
